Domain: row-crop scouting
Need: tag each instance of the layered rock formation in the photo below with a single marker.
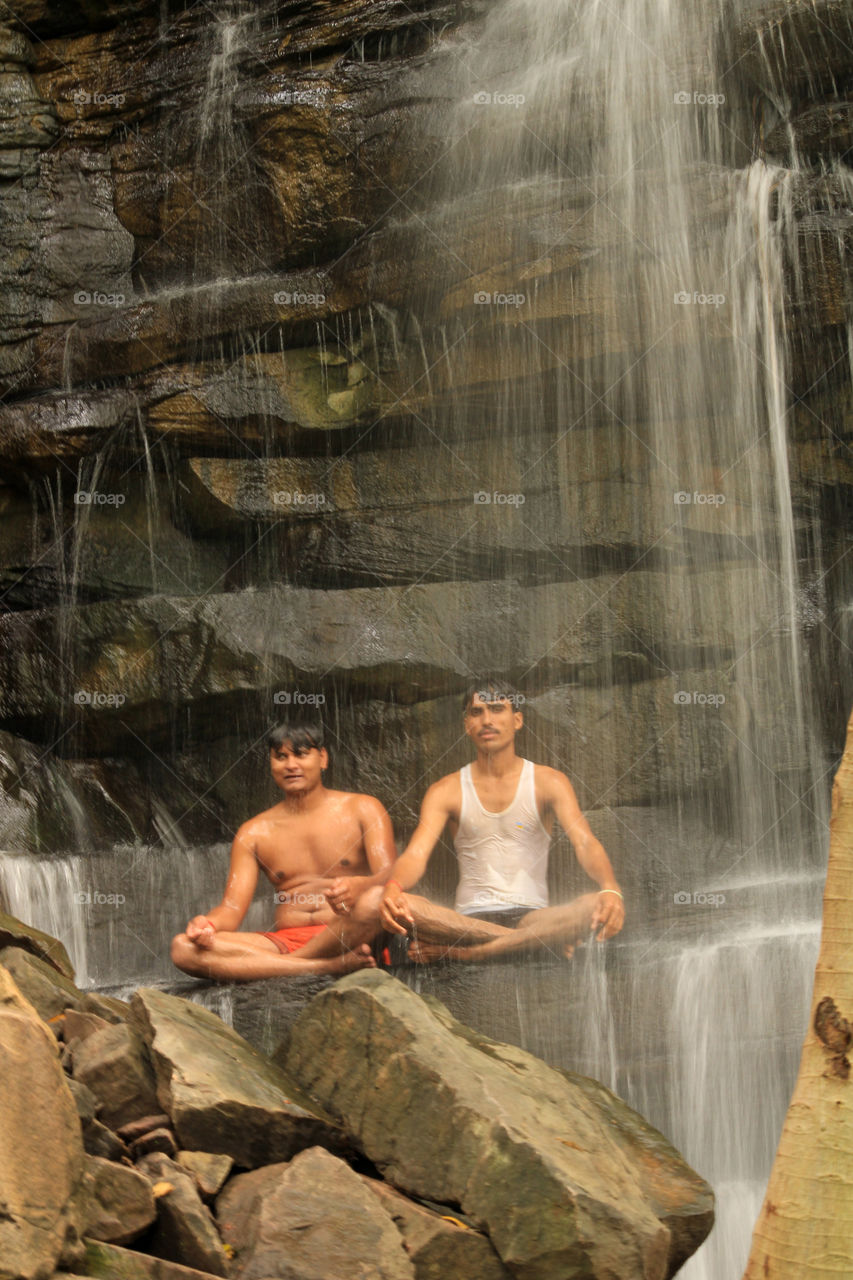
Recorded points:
(228, 363)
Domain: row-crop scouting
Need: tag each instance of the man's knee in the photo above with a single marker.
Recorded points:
(365, 909)
(184, 954)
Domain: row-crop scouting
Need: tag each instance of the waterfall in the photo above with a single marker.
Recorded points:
(637, 282)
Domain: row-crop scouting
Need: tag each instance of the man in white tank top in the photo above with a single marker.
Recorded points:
(500, 811)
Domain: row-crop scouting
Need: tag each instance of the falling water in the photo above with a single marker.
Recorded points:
(637, 283)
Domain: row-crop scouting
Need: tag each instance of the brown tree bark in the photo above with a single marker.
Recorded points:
(805, 1228)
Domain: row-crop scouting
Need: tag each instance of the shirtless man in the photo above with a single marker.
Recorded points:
(500, 811)
(321, 850)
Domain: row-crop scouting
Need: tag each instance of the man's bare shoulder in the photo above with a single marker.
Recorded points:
(259, 824)
(358, 802)
(550, 782)
(446, 791)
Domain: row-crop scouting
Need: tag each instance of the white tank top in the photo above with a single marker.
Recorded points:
(503, 857)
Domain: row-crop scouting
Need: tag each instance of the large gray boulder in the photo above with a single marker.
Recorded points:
(311, 1219)
(222, 1095)
(562, 1176)
(42, 1163)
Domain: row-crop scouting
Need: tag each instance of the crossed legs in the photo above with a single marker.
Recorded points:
(339, 948)
(441, 933)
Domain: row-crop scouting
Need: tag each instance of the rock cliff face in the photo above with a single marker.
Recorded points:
(227, 364)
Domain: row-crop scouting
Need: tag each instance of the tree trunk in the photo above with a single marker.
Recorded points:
(805, 1228)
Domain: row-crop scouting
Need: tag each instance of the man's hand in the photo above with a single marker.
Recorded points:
(342, 893)
(608, 916)
(200, 930)
(393, 911)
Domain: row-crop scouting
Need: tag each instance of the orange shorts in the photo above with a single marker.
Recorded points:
(296, 936)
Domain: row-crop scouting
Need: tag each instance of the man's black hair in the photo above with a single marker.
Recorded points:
(490, 689)
(301, 734)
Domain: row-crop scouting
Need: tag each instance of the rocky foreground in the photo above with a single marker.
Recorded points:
(383, 1141)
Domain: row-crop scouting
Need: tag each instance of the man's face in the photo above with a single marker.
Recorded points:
(297, 770)
(491, 722)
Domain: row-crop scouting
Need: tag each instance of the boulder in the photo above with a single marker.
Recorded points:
(185, 1230)
(42, 1167)
(122, 1204)
(14, 933)
(113, 1063)
(113, 1262)
(311, 1219)
(439, 1244)
(48, 990)
(222, 1095)
(208, 1171)
(526, 1151)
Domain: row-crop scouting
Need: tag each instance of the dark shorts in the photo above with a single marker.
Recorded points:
(508, 916)
(296, 936)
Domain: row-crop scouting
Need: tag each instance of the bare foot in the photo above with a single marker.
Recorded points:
(569, 950)
(428, 952)
(359, 958)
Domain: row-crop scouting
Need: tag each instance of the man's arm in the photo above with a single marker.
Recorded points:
(559, 794)
(379, 848)
(239, 891)
(412, 863)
